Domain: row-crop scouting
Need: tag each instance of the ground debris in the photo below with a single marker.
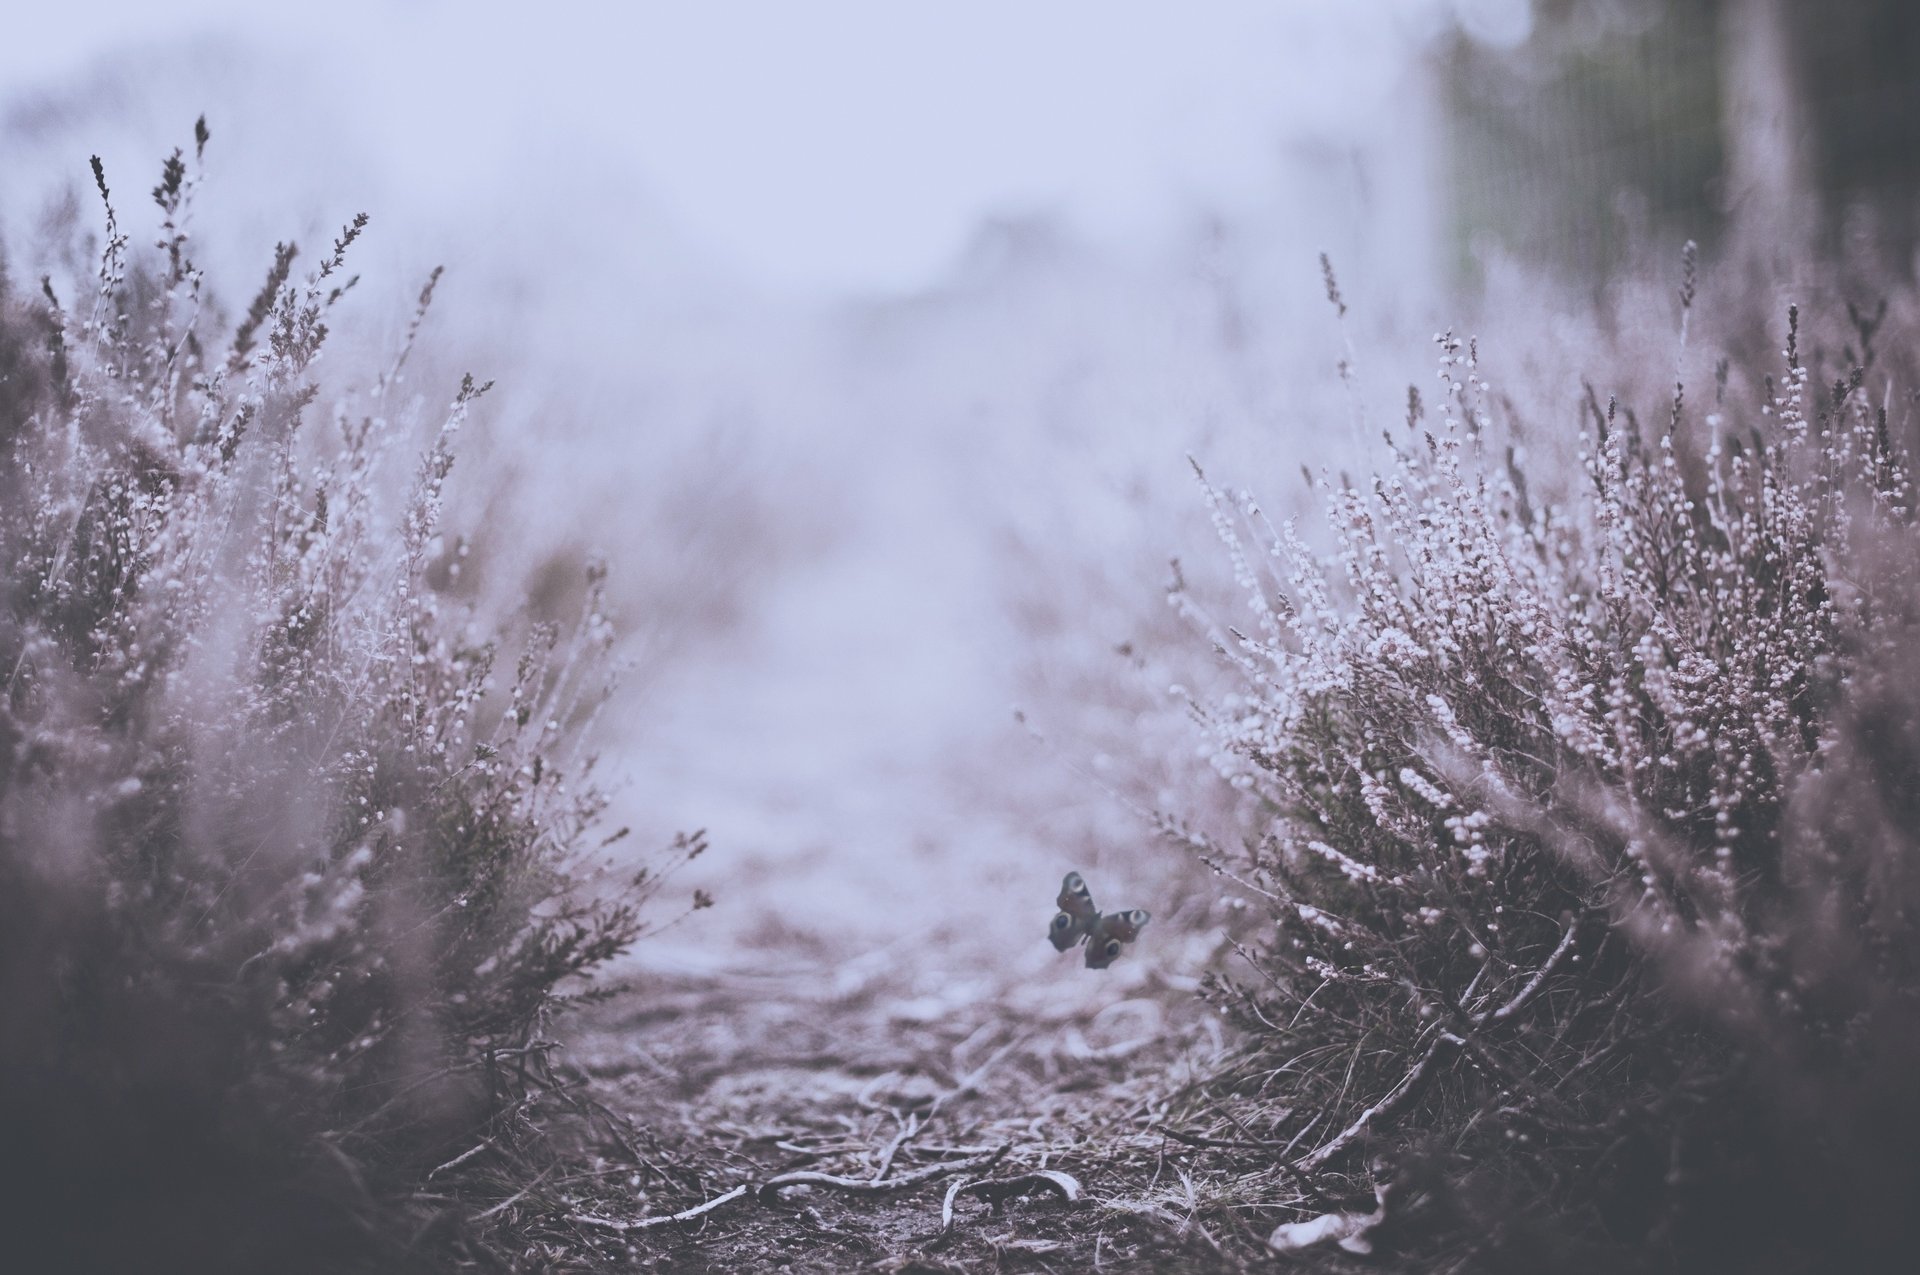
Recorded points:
(997, 1190)
(1347, 1229)
(819, 1120)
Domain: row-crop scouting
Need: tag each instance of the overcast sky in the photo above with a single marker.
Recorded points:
(834, 144)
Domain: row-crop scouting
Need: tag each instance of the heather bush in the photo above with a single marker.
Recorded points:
(1577, 812)
(292, 877)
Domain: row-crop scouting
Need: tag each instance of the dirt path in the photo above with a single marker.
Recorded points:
(820, 739)
(753, 1078)
(887, 846)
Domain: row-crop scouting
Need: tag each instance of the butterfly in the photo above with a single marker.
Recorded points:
(1079, 920)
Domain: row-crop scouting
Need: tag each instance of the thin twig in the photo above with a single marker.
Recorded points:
(1076, 1047)
(1195, 1140)
(462, 1158)
(946, 1205)
(1294, 1141)
(865, 1096)
(641, 1224)
(515, 1198)
(530, 1049)
(971, 1081)
(795, 1148)
(907, 1130)
(1396, 1098)
(1533, 985)
(806, 1177)
(946, 1148)
(1256, 1144)
(994, 1190)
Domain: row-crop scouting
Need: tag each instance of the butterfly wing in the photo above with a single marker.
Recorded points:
(1077, 915)
(1109, 935)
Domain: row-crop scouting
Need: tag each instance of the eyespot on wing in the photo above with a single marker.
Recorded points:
(1075, 900)
(1065, 931)
(1125, 926)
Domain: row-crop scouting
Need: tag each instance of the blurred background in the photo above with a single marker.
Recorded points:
(868, 343)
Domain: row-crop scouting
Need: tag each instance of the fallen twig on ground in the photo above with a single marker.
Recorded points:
(645, 1223)
(971, 1081)
(908, 1129)
(1236, 1144)
(994, 1190)
(772, 1186)
(1075, 1046)
(460, 1159)
(515, 1198)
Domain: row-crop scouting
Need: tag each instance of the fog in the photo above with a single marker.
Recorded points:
(867, 342)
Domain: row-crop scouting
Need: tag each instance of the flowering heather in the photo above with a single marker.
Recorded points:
(290, 873)
(1580, 815)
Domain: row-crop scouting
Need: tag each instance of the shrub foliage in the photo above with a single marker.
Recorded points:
(289, 871)
(1581, 818)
